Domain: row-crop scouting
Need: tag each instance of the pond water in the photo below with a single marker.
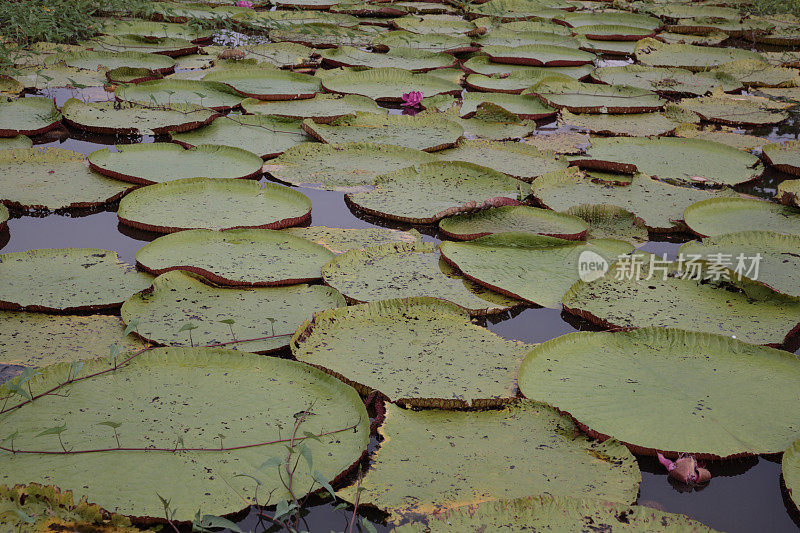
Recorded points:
(744, 495)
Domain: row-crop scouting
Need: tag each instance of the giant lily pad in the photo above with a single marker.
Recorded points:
(613, 32)
(67, 279)
(784, 156)
(124, 118)
(258, 257)
(424, 26)
(339, 240)
(402, 349)
(517, 10)
(152, 410)
(513, 38)
(660, 205)
(691, 57)
(492, 122)
(401, 270)
(36, 339)
(777, 257)
(721, 134)
(611, 222)
(701, 37)
(404, 58)
(790, 470)
(430, 42)
(422, 132)
(111, 60)
(264, 135)
(641, 367)
(788, 192)
(53, 178)
(736, 110)
(4, 216)
(218, 204)
(342, 167)
(752, 73)
(555, 513)
(178, 298)
(518, 160)
(167, 92)
(719, 216)
(513, 218)
(158, 162)
(580, 97)
(322, 108)
(524, 106)
(671, 158)
(58, 76)
(280, 54)
(264, 84)
(513, 83)
(168, 46)
(534, 268)
(28, 116)
(579, 19)
(388, 84)
(666, 80)
(426, 193)
(523, 449)
(632, 124)
(147, 28)
(321, 35)
(539, 55)
(483, 65)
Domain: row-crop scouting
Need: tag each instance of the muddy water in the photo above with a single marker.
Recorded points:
(744, 495)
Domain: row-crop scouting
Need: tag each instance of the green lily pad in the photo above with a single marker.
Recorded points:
(430, 42)
(251, 257)
(41, 79)
(752, 73)
(368, 10)
(631, 124)
(411, 361)
(279, 54)
(112, 60)
(404, 270)
(613, 32)
(513, 38)
(131, 75)
(538, 25)
(35, 507)
(659, 205)
(611, 222)
(654, 53)
(422, 132)
(424, 194)
(127, 118)
(340, 240)
(342, 167)
(404, 58)
(67, 279)
(513, 218)
(264, 84)
(388, 84)
(736, 110)
(425, 26)
(491, 122)
(721, 134)
(777, 257)
(323, 108)
(703, 37)
(168, 46)
(321, 35)
(719, 216)
(15, 142)
(533, 268)
(146, 28)
(666, 80)
(518, 160)
(483, 65)
(683, 10)
(514, 83)
(790, 470)
(523, 449)
(283, 19)
(511, 10)
(783, 156)
(788, 192)
(673, 158)
(566, 142)
(9, 86)
(524, 106)
(264, 135)
(53, 178)
(580, 97)
(152, 412)
(539, 55)
(4, 216)
(641, 367)
(791, 94)
(613, 48)
(159, 162)
(178, 298)
(577, 19)
(167, 92)
(555, 513)
(36, 339)
(28, 116)
(210, 203)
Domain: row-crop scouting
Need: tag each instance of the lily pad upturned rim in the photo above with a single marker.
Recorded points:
(213, 182)
(448, 226)
(775, 149)
(222, 76)
(691, 210)
(52, 122)
(333, 84)
(505, 54)
(540, 90)
(331, 56)
(192, 85)
(105, 152)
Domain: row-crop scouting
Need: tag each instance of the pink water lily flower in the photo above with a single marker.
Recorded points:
(245, 3)
(412, 99)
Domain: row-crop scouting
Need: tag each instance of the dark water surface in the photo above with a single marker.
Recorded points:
(744, 495)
